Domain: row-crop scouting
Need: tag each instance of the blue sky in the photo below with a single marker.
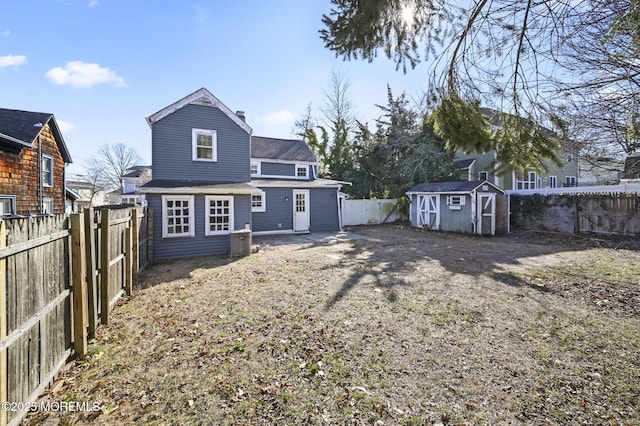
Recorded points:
(102, 66)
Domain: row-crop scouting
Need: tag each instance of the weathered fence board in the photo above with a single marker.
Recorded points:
(51, 273)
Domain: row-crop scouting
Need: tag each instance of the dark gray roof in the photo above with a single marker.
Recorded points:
(281, 149)
(632, 167)
(495, 119)
(464, 164)
(20, 128)
(449, 187)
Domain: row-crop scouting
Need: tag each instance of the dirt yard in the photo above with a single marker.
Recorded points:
(398, 327)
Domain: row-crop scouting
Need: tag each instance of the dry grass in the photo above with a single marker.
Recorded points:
(403, 327)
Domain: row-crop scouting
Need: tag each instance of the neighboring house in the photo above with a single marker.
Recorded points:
(593, 171)
(632, 168)
(202, 188)
(293, 198)
(88, 194)
(483, 167)
(472, 207)
(33, 159)
(133, 178)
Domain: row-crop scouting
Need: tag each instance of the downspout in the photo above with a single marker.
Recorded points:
(339, 207)
(40, 176)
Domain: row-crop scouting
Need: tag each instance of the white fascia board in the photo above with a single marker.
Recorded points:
(279, 161)
(199, 97)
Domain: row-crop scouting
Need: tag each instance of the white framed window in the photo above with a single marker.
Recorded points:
(571, 181)
(302, 171)
(259, 202)
(7, 205)
(483, 175)
(205, 145)
(553, 181)
(47, 206)
(178, 216)
(569, 157)
(455, 200)
(47, 170)
(527, 181)
(255, 168)
(218, 214)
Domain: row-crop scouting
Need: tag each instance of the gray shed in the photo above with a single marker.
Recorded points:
(471, 207)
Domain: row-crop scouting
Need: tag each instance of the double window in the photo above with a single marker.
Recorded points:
(204, 145)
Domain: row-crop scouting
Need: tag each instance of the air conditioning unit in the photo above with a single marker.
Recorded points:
(240, 243)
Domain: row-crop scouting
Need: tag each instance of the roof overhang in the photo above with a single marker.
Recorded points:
(199, 188)
(303, 184)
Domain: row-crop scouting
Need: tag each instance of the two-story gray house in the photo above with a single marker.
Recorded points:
(211, 177)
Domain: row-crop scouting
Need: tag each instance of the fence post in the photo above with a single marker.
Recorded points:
(135, 231)
(105, 273)
(150, 236)
(78, 284)
(90, 246)
(128, 261)
(3, 323)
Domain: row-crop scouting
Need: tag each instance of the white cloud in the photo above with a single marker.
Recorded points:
(64, 126)
(82, 74)
(12, 60)
(282, 116)
(6, 33)
(94, 3)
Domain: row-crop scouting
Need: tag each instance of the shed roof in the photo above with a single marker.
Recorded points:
(18, 129)
(281, 149)
(450, 187)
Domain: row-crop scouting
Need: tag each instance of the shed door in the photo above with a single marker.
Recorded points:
(486, 214)
(301, 210)
(428, 212)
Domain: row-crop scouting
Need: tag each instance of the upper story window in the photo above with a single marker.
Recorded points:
(47, 170)
(483, 175)
(255, 168)
(527, 181)
(302, 171)
(569, 157)
(7, 205)
(205, 145)
(178, 217)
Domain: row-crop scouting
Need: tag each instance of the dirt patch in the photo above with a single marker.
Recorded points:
(399, 327)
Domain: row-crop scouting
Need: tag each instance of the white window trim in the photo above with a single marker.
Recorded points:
(263, 207)
(47, 202)
(306, 173)
(553, 181)
(259, 168)
(165, 219)
(12, 202)
(480, 175)
(214, 145)
(207, 229)
(45, 183)
(529, 181)
(573, 178)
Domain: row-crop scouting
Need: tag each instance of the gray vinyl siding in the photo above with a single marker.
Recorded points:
(199, 245)
(279, 211)
(324, 210)
(456, 220)
(277, 169)
(172, 146)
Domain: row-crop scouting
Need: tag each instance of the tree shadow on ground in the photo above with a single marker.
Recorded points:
(387, 255)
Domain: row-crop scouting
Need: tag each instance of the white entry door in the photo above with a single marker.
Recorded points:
(301, 210)
(428, 212)
(486, 214)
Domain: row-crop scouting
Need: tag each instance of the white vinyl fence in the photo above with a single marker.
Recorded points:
(369, 212)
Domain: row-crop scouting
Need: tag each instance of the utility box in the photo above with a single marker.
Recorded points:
(240, 243)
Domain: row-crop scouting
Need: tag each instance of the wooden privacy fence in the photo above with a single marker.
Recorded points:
(59, 278)
(369, 212)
